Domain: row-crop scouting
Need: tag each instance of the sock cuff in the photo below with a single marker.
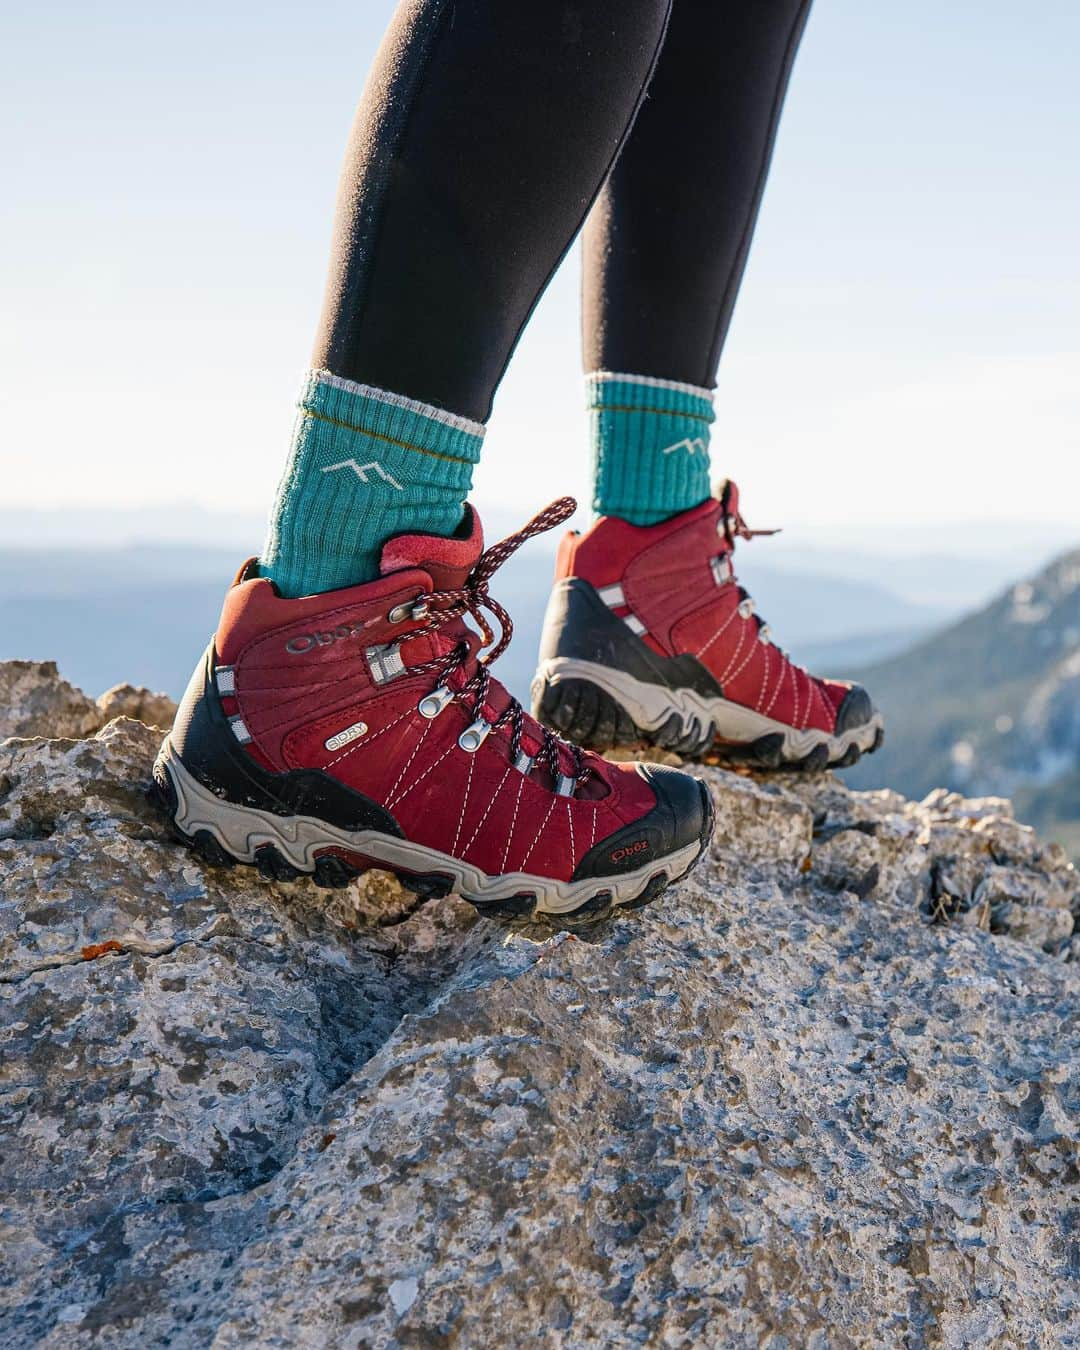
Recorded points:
(650, 440)
(400, 422)
(619, 392)
(366, 464)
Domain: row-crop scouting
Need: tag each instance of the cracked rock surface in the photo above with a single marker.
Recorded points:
(824, 1093)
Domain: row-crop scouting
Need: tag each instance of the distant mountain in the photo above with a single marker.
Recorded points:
(956, 568)
(947, 565)
(176, 523)
(97, 611)
(991, 705)
(838, 656)
(809, 609)
(144, 612)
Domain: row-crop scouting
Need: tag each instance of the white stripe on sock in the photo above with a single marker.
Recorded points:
(654, 381)
(448, 419)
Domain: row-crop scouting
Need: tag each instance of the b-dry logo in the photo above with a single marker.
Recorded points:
(347, 736)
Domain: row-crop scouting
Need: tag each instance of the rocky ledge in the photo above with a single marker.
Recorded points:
(822, 1094)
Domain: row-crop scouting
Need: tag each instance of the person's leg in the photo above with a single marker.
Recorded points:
(483, 136)
(666, 245)
(649, 636)
(344, 715)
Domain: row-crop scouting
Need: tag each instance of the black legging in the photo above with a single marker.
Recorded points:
(486, 131)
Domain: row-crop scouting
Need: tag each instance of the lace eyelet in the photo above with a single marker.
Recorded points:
(474, 736)
(409, 609)
(565, 786)
(431, 705)
(721, 569)
(746, 608)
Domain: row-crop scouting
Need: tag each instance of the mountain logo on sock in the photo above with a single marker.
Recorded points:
(692, 447)
(362, 470)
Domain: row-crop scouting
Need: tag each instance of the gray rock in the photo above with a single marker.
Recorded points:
(131, 700)
(822, 1094)
(36, 701)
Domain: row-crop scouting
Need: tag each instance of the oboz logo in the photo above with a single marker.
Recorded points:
(307, 642)
(628, 851)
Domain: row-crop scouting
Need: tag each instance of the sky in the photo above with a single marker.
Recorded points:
(905, 351)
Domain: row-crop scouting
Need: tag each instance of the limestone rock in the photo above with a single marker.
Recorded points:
(130, 700)
(36, 701)
(824, 1093)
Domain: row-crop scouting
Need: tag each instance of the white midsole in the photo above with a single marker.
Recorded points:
(241, 830)
(650, 705)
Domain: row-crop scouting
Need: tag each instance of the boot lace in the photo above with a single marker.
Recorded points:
(475, 599)
(735, 527)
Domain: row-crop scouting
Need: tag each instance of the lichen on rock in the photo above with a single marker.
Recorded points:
(823, 1093)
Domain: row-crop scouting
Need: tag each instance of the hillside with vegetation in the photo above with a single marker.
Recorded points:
(992, 705)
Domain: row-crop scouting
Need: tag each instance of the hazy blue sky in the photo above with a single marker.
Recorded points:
(906, 346)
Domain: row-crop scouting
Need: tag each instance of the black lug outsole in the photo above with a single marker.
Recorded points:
(817, 761)
(589, 715)
(208, 848)
(427, 885)
(335, 873)
(273, 865)
(520, 906)
(599, 907)
(655, 888)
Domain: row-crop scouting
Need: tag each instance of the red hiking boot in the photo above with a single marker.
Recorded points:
(649, 637)
(332, 733)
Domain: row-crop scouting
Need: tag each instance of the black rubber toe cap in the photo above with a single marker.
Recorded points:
(682, 815)
(856, 710)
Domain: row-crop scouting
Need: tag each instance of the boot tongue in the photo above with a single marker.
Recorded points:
(728, 495)
(447, 561)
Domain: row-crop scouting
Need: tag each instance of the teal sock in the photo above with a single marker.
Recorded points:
(364, 465)
(650, 440)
